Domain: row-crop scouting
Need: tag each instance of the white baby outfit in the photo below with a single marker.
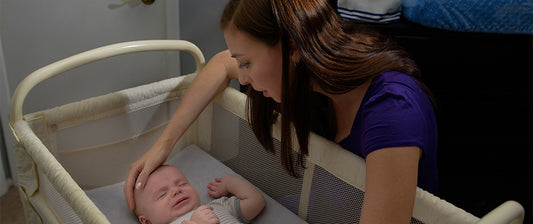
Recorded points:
(228, 211)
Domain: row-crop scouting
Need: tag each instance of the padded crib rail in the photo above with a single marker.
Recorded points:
(33, 155)
(94, 55)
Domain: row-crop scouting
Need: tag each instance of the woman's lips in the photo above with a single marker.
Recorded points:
(265, 93)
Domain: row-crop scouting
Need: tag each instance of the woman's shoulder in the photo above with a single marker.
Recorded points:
(391, 79)
(394, 86)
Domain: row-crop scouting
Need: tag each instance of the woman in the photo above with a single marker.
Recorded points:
(297, 57)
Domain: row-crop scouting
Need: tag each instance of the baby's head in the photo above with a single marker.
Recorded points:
(166, 196)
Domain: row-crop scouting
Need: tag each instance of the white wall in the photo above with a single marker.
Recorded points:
(4, 101)
(36, 33)
(199, 24)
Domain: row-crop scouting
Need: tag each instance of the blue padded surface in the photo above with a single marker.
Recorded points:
(488, 16)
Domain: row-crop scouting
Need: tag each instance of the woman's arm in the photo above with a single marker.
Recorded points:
(211, 80)
(390, 187)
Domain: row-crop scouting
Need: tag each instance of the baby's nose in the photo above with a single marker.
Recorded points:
(176, 191)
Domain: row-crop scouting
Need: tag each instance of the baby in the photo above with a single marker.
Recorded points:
(169, 197)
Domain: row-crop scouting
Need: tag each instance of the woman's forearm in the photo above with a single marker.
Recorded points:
(210, 81)
(390, 189)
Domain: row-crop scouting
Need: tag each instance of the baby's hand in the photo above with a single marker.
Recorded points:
(204, 215)
(218, 188)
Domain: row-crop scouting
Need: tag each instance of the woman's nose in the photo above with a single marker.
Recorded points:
(244, 79)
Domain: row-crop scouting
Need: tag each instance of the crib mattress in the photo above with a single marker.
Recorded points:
(200, 168)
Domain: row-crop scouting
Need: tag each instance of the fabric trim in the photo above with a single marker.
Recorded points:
(352, 14)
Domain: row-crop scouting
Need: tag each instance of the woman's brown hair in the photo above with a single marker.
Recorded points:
(336, 56)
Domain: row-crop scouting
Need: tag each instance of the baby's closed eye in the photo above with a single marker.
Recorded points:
(162, 195)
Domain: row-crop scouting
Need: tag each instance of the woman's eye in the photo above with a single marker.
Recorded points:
(162, 195)
(244, 65)
(183, 184)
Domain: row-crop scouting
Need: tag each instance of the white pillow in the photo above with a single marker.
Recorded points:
(200, 168)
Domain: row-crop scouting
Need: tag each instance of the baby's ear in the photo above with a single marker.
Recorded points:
(144, 220)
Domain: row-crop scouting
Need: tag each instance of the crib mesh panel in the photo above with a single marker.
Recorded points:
(98, 152)
(62, 209)
(331, 198)
(112, 129)
(261, 168)
(327, 193)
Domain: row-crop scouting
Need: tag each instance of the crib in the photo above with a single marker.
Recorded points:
(64, 159)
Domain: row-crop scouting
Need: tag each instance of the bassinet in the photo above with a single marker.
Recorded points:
(61, 153)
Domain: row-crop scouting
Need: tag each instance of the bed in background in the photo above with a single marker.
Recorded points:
(487, 16)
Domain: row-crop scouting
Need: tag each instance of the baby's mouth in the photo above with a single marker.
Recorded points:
(181, 201)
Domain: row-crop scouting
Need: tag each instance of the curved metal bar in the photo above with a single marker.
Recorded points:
(86, 57)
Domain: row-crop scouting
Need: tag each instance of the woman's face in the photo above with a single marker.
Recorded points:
(260, 65)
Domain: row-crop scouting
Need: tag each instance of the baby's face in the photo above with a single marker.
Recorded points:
(166, 196)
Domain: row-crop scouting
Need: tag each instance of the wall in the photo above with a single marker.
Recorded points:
(199, 24)
(36, 33)
(4, 100)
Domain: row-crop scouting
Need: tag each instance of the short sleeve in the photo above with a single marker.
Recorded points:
(232, 204)
(392, 119)
(397, 112)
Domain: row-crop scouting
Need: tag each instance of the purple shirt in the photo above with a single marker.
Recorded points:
(396, 112)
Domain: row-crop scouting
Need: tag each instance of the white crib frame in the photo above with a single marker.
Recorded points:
(328, 155)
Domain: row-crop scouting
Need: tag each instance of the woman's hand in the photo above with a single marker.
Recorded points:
(141, 169)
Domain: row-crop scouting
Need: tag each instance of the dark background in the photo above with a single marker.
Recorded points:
(483, 87)
(482, 83)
